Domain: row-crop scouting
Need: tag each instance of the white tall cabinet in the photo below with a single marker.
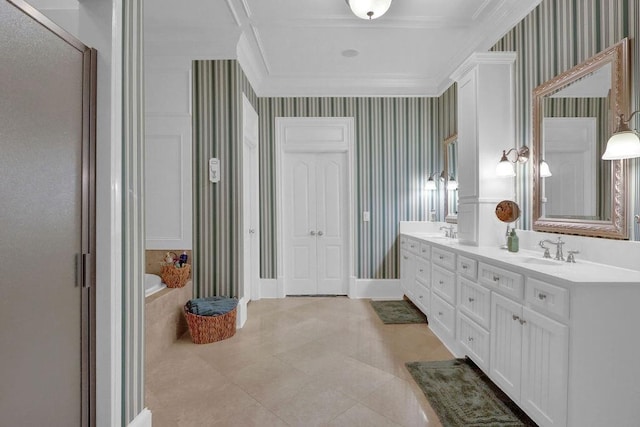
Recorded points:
(485, 128)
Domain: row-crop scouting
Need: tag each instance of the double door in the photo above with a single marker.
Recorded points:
(315, 223)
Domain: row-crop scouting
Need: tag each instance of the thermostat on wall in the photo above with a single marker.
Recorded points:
(214, 170)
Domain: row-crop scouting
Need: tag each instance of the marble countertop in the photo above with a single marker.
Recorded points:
(527, 262)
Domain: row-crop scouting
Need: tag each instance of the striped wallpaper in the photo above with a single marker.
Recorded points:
(217, 132)
(553, 38)
(133, 239)
(398, 141)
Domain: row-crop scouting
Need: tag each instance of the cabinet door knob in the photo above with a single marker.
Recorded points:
(320, 233)
(406, 257)
(441, 282)
(313, 233)
(522, 321)
(515, 317)
(542, 296)
(496, 278)
(420, 296)
(470, 339)
(441, 257)
(464, 266)
(471, 299)
(440, 313)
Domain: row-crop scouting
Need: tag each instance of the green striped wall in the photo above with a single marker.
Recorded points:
(217, 210)
(398, 141)
(133, 240)
(553, 38)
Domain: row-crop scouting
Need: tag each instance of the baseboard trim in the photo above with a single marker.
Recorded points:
(143, 419)
(376, 289)
(270, 288)
(241, 318)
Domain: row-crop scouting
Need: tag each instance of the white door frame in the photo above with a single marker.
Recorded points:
(249, 143)
(344, 130)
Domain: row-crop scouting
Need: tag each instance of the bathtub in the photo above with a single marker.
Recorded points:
(152, 284)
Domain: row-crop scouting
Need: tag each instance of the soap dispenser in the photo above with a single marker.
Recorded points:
(513, 244)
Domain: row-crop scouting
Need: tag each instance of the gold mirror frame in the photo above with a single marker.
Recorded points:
(617, 227)
(448, 217)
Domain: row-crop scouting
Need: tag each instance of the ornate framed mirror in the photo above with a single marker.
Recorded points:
(573, 117)
(451, 173)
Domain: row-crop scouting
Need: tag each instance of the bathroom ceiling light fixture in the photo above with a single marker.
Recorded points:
(431, 183)
(505, 166)
(369, 9)
(545, 172)
(624, 143)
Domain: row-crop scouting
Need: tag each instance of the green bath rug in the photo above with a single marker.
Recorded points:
(398, 312)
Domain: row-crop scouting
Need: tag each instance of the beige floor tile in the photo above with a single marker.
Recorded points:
(313, 405)
(400, 402)
(361, 416)
(297, 362)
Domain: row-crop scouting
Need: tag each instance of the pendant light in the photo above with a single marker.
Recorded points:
(369, 9)
(624, 143)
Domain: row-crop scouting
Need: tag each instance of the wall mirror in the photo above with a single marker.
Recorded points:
(573, 117)
(451, 184)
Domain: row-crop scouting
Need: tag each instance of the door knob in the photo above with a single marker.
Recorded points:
(313, 233)
(252, 231)
(320, 233)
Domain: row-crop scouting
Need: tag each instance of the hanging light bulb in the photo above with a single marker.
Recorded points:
(624, 143)
(369, 9)
(545, 172)
(505, 167)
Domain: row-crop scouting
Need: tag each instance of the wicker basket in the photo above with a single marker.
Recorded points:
(175, 277)
(208, 329)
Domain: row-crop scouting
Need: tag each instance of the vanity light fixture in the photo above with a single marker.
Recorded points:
(505, 166)
(369, 9)
(624, 143)
(545, 172)
(431, 183)
(452, 184)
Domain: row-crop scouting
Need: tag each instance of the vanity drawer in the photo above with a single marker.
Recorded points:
(444, 258)
(422, 297)
(474, 301)
(422, 271)
(413, 246)
(425, 251)
(505, 281)
(443, 283)
(468, 267)
(474, 340)
(442, 315)
(547, 298)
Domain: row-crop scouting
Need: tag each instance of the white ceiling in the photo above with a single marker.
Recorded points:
(294, 47)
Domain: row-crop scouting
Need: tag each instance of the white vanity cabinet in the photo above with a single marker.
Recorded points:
(415, 272)
(443, 296)
(408, 263)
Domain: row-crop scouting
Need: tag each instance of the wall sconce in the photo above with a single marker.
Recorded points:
(431, 183)
(545, 172)
(369, 9)
(505, 166)
(452, 184)
(624, 143)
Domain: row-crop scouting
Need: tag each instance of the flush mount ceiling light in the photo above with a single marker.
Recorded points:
(505, 166)
(624, 143)
(369, 9)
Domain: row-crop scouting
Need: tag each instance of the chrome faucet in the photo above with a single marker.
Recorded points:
(559, 255)
(449, 231)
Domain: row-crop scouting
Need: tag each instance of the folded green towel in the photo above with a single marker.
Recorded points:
(211, 306)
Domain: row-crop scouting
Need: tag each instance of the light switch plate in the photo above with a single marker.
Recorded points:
(214, 170)
(365, 216)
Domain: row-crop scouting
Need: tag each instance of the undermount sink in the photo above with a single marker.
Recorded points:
(539, 261)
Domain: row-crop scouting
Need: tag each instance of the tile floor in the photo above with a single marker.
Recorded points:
(297, 362)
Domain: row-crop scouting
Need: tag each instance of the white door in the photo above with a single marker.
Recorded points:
(315, 223)
(251, 244)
